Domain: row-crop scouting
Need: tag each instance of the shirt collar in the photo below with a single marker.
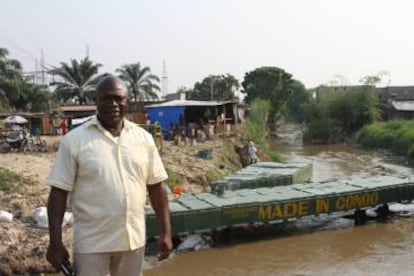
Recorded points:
(95, 122)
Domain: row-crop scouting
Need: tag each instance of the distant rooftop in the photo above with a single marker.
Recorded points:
(69, 108)
(189, 103)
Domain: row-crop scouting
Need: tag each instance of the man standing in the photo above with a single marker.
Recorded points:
(252, 152)
(108, 164)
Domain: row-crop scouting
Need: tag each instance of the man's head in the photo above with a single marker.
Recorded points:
(111, 100)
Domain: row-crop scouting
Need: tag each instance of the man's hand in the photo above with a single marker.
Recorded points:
(164, 247)
(56, 254)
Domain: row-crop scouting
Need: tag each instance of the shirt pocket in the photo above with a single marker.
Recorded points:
(95, 161)
(136, 160)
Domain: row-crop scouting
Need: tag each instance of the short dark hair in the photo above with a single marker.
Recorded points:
(108, 80)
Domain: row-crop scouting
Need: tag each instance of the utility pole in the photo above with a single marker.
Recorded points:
(36, 70)
(87, 50)
(42, 67)
(164, 79)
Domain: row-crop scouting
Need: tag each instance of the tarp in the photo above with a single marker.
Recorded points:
(82, 120)
(15, 119)
(165, 116)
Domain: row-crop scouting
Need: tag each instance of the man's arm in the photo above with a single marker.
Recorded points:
(56, 208)
(159, 202)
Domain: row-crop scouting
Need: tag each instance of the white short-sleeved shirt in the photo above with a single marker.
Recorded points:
(108, 180)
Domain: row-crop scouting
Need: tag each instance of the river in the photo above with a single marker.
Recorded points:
(325, 246)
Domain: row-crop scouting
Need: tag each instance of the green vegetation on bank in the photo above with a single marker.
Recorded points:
(10, 181)
(335, 116)
(395, 135)
(257, 127)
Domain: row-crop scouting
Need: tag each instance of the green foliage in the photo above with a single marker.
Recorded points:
(336, 115)
(271, 83)
(296, 102)
(77, 80)
(215, 87)
(142, 85)
(10, 181)
(256, 129)
(173, 178)
(396, 135)
(274, 155)
(16, 93)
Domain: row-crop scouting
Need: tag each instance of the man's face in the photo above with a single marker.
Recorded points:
(112, 103)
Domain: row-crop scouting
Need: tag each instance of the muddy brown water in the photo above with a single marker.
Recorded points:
(372, 249)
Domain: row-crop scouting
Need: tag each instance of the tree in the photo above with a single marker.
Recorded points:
(10, 72)
(26, 96)
(298, 98)
(370, 80)
(373, 80)
(9, 68)
(141, 83)
(256, 129)
(77, 80)
(270, 83)
(215, 87)
(337, 115)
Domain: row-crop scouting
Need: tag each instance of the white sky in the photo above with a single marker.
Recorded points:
(315, 40)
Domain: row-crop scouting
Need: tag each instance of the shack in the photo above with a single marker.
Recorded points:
(190, 114)
(39, 123)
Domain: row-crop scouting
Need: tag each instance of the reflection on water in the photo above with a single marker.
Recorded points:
(373, 249)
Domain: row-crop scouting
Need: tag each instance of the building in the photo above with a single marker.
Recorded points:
(189, 114)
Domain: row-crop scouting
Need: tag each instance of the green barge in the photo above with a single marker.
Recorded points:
(265, 174)
(211, 211)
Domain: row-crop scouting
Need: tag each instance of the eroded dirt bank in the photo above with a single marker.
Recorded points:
(23, 245)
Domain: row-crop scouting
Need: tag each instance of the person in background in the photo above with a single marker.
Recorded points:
(63, 127)
(108, 165)
(252, 152)
(147, 119)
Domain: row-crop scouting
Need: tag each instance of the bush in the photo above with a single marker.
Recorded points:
(397, 135)
(10, 181)
(376, 136)
(336, 115)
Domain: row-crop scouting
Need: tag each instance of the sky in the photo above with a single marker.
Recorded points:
(317, 41)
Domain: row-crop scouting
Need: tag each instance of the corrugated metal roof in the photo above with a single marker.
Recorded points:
(69, 108)
(188, 103)
(403, 105)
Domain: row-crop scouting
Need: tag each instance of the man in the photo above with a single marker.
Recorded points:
(251, 151)
(108, 164)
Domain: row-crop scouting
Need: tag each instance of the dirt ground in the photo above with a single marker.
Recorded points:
(23, 246)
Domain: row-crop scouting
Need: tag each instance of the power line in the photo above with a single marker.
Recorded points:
(14, 44)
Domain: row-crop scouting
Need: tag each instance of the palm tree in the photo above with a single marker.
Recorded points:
(9, 68)
(10, 72)
(141, 83)
(78, 80)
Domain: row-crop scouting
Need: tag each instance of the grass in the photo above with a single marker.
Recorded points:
(173, 178)
(10, 181)
(396, 135)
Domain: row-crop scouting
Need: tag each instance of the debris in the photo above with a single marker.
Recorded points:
(40, 219)
(195, 242)
(5, 216)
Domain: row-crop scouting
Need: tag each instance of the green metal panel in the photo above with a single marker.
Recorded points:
(265, 174)
(201, 215)
(242, 213)
(176, 216)
(206, 211)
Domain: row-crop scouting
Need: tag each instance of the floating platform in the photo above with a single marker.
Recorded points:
(265, 174)
(207, 211)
